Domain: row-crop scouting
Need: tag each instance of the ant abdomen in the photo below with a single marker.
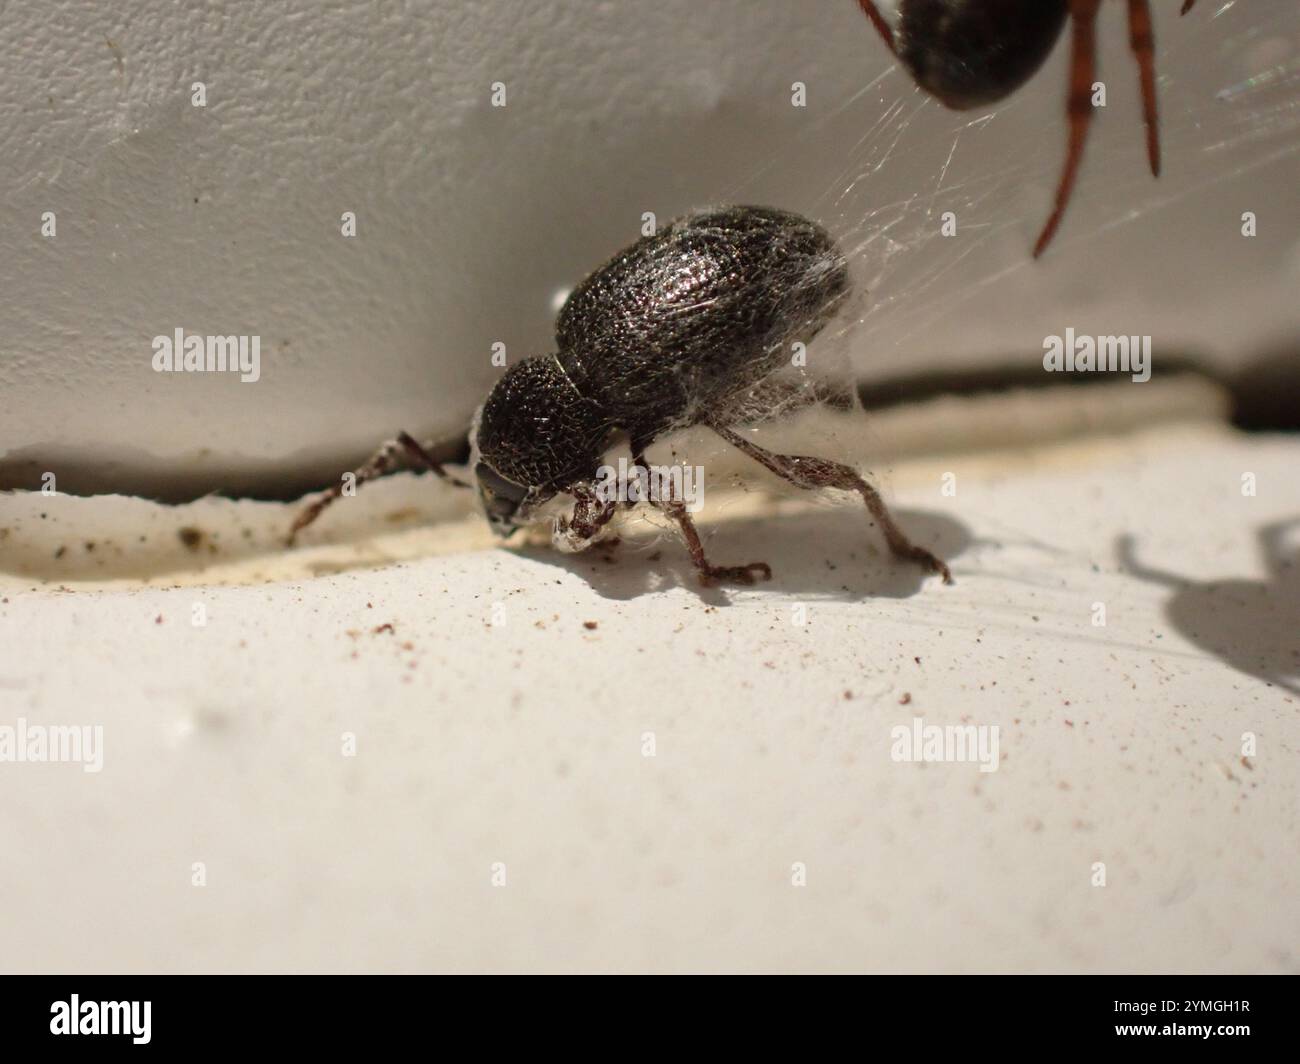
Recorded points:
(971, 53)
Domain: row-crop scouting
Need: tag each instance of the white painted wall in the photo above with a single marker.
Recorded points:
(226, 219)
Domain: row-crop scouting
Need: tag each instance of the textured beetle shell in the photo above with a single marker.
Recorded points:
(971, 53)
(660, 337)
(536, 429)
(664, 333)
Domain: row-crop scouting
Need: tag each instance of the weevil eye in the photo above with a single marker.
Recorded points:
(501, 498)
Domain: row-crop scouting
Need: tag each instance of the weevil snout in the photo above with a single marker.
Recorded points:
(503, 500)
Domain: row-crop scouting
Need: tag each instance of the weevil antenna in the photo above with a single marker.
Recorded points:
(421, 457)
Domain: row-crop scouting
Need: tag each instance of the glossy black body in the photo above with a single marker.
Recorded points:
(971, 53)
(662, 337)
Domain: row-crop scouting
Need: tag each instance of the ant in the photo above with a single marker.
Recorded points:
(971, 53)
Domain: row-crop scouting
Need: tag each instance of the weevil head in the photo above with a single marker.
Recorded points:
(505, 503)
(534, 437)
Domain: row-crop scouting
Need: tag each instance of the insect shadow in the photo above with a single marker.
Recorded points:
(1251, 625)
(822, 553)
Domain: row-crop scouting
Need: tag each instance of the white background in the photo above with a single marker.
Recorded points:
(227, 219)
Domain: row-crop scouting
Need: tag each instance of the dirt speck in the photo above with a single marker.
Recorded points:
(118, 62)
(192, 537)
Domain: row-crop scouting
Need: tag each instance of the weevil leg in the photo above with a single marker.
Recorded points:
(381, 463)
(1142, 40)
(878, 20)
(812, 473)
(1083, 63)
(712, 574)
(709, 574)
(386, 460)
(590, 514)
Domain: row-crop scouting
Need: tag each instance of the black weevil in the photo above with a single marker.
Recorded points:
(686, 327)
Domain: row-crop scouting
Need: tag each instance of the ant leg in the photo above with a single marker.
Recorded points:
(811, 473)
(1083, 61)
(878, 20)
(1187, 6)
(709, 574)
(1142, 40)
(384, 461)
